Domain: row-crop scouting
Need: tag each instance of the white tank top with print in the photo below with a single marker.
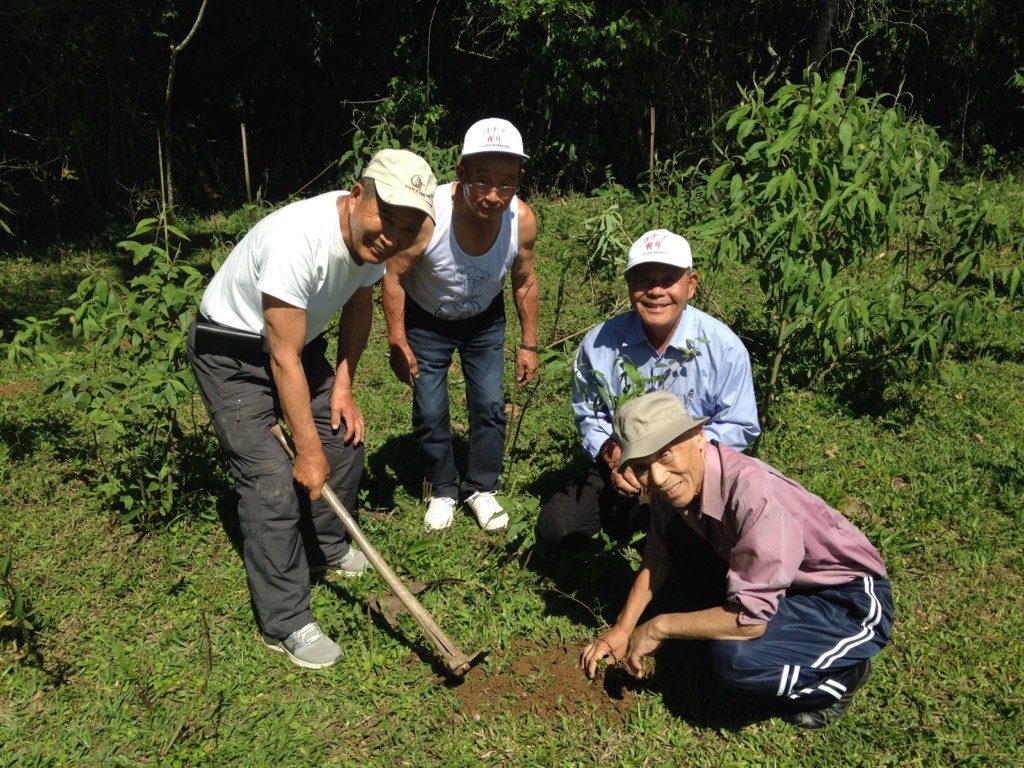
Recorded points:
(449, 283)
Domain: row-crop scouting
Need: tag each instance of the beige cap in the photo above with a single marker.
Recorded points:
(647, 424)
(403, 178)
(492, 134)
(659, 246)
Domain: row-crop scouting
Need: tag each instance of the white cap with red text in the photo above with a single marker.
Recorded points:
(492, 134)
(659, 246)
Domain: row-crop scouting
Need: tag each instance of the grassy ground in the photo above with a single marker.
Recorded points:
(143, 650)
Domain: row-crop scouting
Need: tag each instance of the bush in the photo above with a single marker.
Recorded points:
(136, 377)
(833, 197)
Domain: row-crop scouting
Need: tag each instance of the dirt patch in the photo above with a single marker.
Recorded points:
(548, 683)
(390, 606)
(16, 388)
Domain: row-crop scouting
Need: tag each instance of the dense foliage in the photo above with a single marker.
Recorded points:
(85, 86)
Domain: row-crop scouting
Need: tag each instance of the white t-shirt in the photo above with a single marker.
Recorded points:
(295, 254)
(449, 283)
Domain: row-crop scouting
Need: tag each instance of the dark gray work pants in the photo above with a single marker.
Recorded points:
(278, 521)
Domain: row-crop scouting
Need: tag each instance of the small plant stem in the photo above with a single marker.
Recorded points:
(207, 648)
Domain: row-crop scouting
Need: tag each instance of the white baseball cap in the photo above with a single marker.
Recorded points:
(403, 178)
(492, 134)
(659, 246)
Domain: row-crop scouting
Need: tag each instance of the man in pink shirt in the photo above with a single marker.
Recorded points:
(807, 598)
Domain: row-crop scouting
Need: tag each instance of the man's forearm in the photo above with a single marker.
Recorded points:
(648, 581)
(393, 299)
(352, 337)
(716, 623)
(528, 308)
(293, 392)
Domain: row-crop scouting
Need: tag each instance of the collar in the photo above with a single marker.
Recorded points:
(712, 501)
(685, 331)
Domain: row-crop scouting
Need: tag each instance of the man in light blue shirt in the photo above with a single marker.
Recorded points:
(662, 344)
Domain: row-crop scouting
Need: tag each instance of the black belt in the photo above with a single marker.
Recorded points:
(215, 339)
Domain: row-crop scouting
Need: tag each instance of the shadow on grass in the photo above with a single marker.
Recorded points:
(396, 465)
(590, 586)
(40, 285)
(413, 640)
(689, 689)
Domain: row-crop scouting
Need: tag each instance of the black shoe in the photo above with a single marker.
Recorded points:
(819, 718)
(861, 673)
(811, 719)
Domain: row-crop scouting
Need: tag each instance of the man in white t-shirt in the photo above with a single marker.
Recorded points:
(257, 352)
(451, 299)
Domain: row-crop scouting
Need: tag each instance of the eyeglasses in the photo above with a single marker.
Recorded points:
(485, 187)
(642, 468)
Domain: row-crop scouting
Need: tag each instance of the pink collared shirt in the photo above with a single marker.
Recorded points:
(773, 532)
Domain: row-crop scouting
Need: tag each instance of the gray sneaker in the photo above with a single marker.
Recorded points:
(307, 647)
(352, 563)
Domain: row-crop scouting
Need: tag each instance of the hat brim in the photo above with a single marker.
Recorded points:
(392, 194)
(653, 442)
(678, 263)
(508, 152)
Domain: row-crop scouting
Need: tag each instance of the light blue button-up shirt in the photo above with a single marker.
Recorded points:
(705, 364)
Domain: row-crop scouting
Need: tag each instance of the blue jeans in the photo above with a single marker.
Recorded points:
(480, 342)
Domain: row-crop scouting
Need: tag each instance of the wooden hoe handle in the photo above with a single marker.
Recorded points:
(457, 662)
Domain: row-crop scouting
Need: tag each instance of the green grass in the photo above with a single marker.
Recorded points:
(142, 647)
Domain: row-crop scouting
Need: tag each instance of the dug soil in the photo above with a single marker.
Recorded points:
(548, 683)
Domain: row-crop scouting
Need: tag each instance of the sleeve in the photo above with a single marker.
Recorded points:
(590, 390)
(372, 273)
(287, 271)
(764, 560)
(733, 420)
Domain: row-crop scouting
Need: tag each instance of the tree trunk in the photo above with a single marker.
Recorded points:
(175, 50)
(822, 29)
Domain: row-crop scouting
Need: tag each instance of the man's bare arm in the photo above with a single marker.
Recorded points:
(525, 293)
(286, 337)
(402, 359)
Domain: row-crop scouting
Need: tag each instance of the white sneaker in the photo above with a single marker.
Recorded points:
(488, 511)
(307, 647)
(440, 513)
(353, 563)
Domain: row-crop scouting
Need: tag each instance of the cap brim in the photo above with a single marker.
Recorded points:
(655, 441)
(509, 152)
(402, 197)
(657, 260)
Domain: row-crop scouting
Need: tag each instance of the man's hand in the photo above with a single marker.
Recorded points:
(343, 407)
(311, 471)
(403, 363)
(625, 482)
(612, 645)
(526, 366)
(644, 641)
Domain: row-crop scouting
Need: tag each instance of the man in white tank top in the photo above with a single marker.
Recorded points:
(451, 299)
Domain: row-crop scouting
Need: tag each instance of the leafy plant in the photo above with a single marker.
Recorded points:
(834, 198)
(605, 235)
(630, 382)
(16, 620)
(136, 376)
(403, 120)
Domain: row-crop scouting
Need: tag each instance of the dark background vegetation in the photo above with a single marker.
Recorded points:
(83, 92)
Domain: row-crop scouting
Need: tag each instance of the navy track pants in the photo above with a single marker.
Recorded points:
(806, 657)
